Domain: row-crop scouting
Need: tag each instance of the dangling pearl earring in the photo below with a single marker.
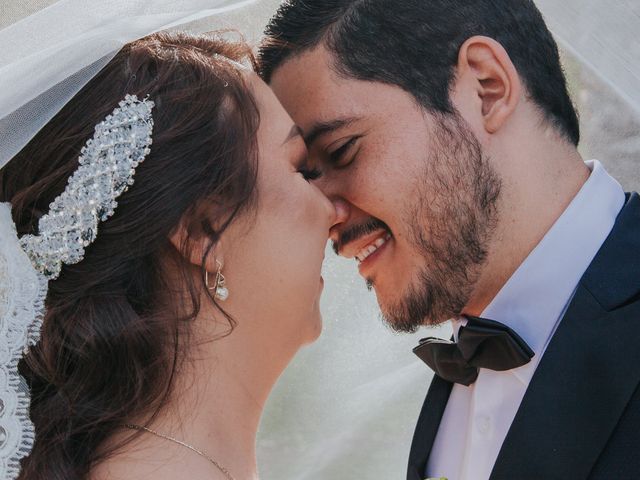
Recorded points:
(222, 293)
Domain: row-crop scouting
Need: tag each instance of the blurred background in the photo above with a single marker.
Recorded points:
(347, 406)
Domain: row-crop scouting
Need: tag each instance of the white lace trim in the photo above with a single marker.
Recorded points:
(22, 296)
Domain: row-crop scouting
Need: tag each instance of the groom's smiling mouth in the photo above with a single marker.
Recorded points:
(373, 247)
(362, 242)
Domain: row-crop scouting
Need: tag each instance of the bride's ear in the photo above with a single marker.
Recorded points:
(491, 80)
(194, 244)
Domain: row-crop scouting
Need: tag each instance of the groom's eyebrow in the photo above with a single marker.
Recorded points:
(322, 128)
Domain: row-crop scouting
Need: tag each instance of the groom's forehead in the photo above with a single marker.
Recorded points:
(313, 92)
(308, 74)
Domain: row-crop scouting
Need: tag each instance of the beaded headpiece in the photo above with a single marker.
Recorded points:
(107, 165)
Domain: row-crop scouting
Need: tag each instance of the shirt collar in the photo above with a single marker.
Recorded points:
(532, 301)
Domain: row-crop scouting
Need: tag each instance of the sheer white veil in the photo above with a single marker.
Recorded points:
(47, 57)
(347, 406)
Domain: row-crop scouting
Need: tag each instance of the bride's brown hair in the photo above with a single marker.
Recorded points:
(108, 353)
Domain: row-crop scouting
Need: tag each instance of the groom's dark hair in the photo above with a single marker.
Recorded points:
(414, 44)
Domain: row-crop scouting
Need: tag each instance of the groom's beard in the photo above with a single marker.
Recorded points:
(457, 202)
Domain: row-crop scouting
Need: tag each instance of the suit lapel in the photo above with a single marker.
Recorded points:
(589, 371)
(427, 427)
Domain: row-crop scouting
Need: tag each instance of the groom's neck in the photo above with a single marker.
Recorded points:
(541, 174)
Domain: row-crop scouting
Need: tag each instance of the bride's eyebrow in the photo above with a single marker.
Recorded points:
(323, 128)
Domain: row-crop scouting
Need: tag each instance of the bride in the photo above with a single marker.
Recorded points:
(164, 336)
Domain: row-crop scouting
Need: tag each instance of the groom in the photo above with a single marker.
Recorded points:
(446, 131)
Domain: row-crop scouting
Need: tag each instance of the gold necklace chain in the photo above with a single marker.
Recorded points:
(179, 442)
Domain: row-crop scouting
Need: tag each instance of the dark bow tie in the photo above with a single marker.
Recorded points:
(481, 343)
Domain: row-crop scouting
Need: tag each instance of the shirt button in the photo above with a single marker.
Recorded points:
(484, 424)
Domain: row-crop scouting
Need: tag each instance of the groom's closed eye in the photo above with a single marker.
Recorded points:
(345, 153)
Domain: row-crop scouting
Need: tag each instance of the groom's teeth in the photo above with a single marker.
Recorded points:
(369, 249)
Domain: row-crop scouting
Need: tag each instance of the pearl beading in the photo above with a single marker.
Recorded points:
(107, 166)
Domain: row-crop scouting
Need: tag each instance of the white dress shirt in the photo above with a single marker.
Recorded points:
(532, 302)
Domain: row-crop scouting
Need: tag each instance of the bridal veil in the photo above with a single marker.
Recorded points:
(346, 407)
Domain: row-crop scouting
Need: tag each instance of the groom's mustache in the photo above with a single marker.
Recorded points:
(356, 232)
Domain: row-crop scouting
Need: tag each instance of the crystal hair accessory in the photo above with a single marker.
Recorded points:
(107, 166)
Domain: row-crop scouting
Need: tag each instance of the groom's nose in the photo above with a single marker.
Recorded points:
(342, 215)
(342, 210)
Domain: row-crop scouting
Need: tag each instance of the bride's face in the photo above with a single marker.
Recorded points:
(273, 266)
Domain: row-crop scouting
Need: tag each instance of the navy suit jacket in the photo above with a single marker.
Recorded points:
(580, 416)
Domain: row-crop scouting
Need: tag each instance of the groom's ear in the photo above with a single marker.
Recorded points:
(491, 80)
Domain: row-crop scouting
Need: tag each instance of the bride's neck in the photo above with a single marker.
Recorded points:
(221, 391)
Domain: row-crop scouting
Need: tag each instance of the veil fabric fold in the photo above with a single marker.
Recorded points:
(47, 57)
(603, 36)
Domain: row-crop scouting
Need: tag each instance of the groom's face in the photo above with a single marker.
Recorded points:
(420, 194)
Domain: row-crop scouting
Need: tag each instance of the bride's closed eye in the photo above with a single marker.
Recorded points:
(309, 174)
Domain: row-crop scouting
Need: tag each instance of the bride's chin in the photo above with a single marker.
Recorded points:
(314, 328)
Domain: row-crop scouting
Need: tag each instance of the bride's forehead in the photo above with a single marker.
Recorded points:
(274, 119)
